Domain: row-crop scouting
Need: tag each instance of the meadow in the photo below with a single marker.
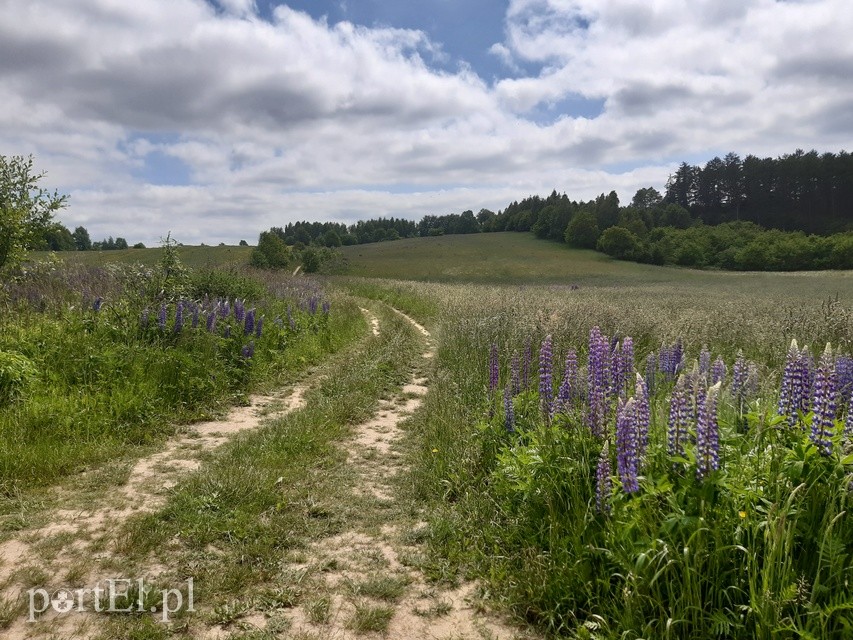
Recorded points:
(611, 450)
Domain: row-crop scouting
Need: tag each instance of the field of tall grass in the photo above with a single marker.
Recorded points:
(94, 360)
(582, 516)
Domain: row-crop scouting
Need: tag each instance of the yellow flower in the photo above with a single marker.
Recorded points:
(435, 450)
(742, 514)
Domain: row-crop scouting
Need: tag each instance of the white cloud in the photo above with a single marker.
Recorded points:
(295, 118)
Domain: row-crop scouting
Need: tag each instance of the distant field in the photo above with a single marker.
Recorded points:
(192, 256)
(518, 258)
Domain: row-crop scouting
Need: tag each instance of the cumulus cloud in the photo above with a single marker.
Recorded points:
(294, 118)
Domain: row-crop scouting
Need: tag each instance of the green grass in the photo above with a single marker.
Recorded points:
(519, 258)
(192, 256)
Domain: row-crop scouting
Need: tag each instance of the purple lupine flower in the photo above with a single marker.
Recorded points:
(312, 305)
(848, 424)
(224, 309)
(546, 378)
(249, 325)
(651, 371)
(239, 310)
(259, 327)
(96, 305)
(704, 360)
(707, 434)
(514, 380)
(179, 317)
(792, 389)
(494, 370)
(525, 369)
(677, 356)
(196, 309)
(597, 381)
(211, 321)
(679, 418)
(844, 378)
(718, 371)
(622, 367)
(824, 403)
(740, 373)
(143, 318)
(161, 319)
(627, 463)
(569, 385)
(641, 406)
(248, 351)
(290, 321)
(603, 483)
(509, 411)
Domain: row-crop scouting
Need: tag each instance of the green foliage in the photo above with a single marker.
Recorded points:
(171, 277)
(619, 243)
(16, 373)
(81, 239)
(583, 232)
(271, 252)
(26, 209)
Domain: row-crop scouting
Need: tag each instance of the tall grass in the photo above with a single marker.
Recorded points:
(103, 373)
(760, 549)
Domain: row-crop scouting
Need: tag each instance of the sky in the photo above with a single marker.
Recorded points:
(213, 120)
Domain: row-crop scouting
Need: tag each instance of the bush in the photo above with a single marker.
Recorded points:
(16, 373)
(619, 243)
(271, 252)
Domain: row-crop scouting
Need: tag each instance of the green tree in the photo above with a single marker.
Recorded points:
(619, 243)
(271, 252)
(26, 209)
(583, 230)
(81, 239)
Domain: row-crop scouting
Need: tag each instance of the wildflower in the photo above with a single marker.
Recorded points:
(249, 325)
(239, 310)
(211, 321)
(824, 403)
(96, 305)
(623, 365)
(290, 321)
(569, 385)
(514, 374)
(224, 309)
(679, 418)
(707, 434)
(704, 360)
(740, 373)
(603, 485)
(248, 350)
(493, 367)
(312, 305)
(161, 318)
(179, 317)
(844, 377)
(741, 514)
(848, 425)
(718, 371)
(196, 309)
(546, 389)
(597, 381)
(627, 463)
(509, 411)
(793, 395)
(651, 372)
(641, 404)
(259, 327)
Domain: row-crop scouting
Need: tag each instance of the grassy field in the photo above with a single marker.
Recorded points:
(192, 256)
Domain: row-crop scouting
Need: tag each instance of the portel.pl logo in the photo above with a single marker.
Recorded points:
(115, 595)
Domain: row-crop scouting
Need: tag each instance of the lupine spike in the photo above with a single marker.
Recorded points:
(641, 400)
(196, 308)
(848, 425)
(679, 416)
(597, 382)
(705, 360)
(627, 463)
(718, 371)
(259, 327)
(603, 483)
(249, 326)
(179, 317)
(791, 386)
(569, 384)
(161, 318)
(509, 411)
(708, 434)
(211, 321)
(546, 378)
(824, 403)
